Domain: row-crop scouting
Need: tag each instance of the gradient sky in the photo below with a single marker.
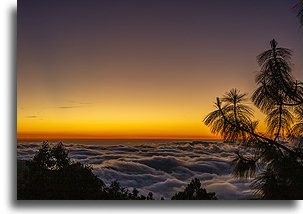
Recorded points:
(139, 68)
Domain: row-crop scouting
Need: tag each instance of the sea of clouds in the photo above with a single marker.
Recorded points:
(162, 168)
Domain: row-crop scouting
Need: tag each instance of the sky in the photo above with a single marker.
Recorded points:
(140, 68)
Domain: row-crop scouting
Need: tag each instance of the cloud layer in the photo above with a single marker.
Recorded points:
(163, 168)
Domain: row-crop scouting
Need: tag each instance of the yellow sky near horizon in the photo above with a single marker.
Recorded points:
(129, 99)
(140, 119)
(126, 113)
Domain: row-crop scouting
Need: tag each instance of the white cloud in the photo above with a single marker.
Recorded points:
(162, 168)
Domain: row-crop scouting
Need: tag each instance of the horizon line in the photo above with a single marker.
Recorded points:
(47, 138)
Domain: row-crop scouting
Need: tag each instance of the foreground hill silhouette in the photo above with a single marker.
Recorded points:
(51, 175)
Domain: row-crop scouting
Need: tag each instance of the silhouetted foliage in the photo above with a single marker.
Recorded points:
(299, 10)
(116, 192)
(52, 175)
(194, 191)
(282, 179)
(275, 165)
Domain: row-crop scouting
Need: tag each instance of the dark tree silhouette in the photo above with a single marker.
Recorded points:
(116, 192)
(275, 164)
(194, 191)
(299, 9)
(52, 175)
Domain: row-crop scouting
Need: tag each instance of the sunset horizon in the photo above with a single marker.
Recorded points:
(46, 138)
(159, 100)
(128, 74)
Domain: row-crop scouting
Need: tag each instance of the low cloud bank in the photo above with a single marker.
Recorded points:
(163, 168)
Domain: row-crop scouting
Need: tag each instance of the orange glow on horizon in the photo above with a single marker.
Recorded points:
(135, 133)
(54, 137)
